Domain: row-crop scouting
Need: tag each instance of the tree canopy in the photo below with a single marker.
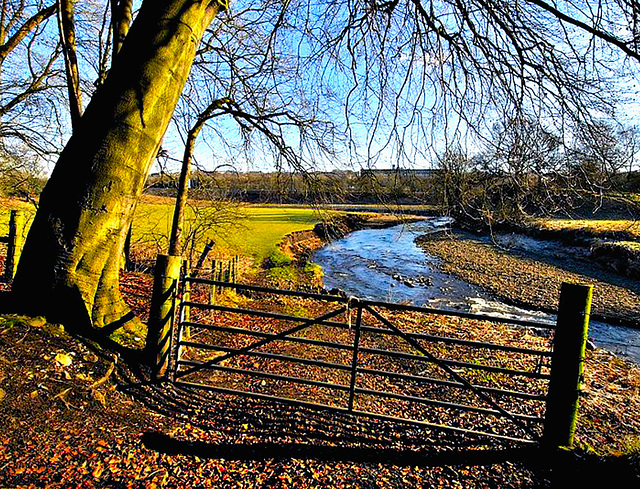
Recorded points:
(407, 79)
(359, 83)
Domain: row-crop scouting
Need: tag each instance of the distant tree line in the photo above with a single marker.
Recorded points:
(526, 170)
(521, 170)
(399, 186)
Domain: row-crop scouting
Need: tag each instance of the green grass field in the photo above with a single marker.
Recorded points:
(252, 231)
(263, 228)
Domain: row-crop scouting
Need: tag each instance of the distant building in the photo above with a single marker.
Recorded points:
(404, 172)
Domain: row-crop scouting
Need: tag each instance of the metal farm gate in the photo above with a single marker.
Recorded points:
(381, 360)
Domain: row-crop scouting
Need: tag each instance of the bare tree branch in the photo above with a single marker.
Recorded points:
(67, 30)
(26, 28)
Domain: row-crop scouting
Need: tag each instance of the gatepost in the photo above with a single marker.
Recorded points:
(567, 365)
(162, 313)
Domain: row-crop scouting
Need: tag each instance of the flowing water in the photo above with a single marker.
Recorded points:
(386, 264)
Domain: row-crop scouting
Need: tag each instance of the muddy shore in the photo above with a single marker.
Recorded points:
(534, 283)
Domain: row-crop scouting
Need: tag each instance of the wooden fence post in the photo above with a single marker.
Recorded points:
(162, 312)
(203, 256)
(186, 297)
(567, 365)
(212, 290)
(236, 261)
(234, 271)
(15, 241)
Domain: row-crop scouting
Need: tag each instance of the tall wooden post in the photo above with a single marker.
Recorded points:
(567, 365)
(234, 271)
(212, 290)
(15, 241)
(219, 276)
(236, 261)
(186, 297)
(162, 312)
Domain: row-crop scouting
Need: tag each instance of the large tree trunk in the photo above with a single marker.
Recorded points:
(70, 263)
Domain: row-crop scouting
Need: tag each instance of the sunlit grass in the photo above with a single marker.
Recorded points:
(253, 231)
(263, 228)
(632, 245)
(592, 226)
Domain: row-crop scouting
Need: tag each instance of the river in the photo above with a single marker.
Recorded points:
(386, 264)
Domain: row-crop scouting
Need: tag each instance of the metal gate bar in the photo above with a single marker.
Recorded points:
(408, 356)
(345, 300)
(266, 375)
(271, 356)
(259, 334)
(351, 388)
(354, 367)
(367, 329)
(448, 383)
(257, 344)
(456, 363)
(433, 402)
(451, 372)
(355, 412)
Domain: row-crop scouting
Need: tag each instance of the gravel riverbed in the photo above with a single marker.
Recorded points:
(533, 283)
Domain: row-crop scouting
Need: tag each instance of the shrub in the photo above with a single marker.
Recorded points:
(278, 258)
(313, 271)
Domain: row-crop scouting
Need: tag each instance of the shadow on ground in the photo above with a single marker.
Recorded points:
(240, 429)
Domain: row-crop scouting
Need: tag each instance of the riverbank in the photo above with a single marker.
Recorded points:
(533, 283)
(292, 266)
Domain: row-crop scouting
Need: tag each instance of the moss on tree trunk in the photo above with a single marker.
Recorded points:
(70, 264)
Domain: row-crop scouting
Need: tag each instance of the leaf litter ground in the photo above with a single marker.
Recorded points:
(71, 416)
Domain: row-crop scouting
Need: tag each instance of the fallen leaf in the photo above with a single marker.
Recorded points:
(64, 359)
(99, 396)
(61, 394)
(37, 322)
(97, 472)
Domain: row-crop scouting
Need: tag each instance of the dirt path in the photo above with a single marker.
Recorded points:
(528, 282)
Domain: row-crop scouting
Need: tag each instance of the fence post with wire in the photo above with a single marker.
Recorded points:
(223, 271)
